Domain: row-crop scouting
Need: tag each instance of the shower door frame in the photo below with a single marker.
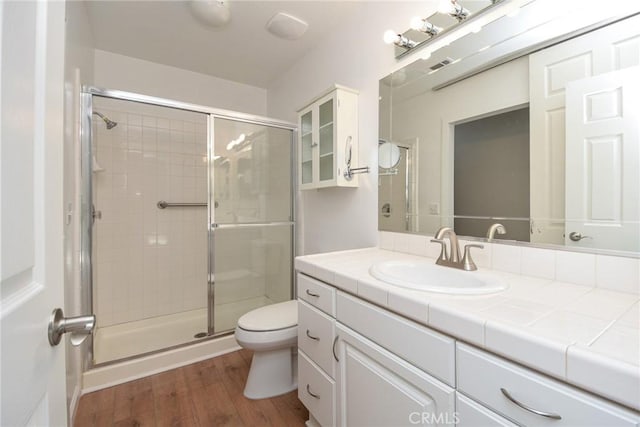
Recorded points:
(86, 197)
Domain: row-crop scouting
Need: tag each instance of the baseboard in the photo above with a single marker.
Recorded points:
(108, 376)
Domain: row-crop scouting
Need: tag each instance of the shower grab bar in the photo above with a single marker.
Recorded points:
(163, 205)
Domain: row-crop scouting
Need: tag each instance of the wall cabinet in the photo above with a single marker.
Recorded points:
(328, 139)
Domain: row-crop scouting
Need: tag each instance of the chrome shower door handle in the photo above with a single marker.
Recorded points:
(80, 327)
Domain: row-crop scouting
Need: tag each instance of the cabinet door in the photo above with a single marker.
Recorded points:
(376, 388)
(306, 148)
(326, 139)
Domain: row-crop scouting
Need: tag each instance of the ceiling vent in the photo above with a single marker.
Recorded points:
(441, 64)
(287, 26)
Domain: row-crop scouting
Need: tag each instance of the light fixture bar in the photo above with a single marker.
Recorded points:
(422, 25)
(399, 40)
(453, 9)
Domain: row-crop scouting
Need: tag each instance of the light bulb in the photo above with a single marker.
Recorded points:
(390, 37)
(416, 23)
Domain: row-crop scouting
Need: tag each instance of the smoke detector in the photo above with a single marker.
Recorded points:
(286, 26)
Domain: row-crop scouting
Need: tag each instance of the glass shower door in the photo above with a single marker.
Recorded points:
(251, 212)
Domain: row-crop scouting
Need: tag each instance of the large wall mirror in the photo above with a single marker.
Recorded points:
(535, 125)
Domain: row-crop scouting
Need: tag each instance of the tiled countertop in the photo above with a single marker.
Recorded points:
(586, 336)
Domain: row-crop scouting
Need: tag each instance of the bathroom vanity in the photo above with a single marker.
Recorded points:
(372, 353)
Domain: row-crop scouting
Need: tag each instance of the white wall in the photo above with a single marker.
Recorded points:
(354, 56)
(78, 71)
(113, 71)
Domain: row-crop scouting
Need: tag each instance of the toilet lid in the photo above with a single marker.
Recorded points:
(271, 317)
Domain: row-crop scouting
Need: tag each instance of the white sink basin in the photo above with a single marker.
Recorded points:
(427, 276)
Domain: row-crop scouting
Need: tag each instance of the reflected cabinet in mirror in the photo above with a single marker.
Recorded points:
(540, 136)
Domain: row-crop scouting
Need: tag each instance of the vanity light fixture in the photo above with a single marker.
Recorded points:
(422, 25)
(391, 37)
(453, 9)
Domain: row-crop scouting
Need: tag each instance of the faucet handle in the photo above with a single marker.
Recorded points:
(443, 251)
(467, 262)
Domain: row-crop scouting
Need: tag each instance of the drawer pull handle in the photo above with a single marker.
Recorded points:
(333, 348)
(312, 337)
(311, 294)
(528, 408)
(317, 396)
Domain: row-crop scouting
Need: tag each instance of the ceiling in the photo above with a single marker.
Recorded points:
(243, 51)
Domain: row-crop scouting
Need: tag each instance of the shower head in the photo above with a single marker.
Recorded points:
(110, 123)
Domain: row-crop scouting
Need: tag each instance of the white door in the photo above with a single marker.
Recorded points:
(32, 372)
(603, 181)
(550, 71)
(376, 388)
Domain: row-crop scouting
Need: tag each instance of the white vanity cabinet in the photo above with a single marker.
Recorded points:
(362, 365)
(328, 137)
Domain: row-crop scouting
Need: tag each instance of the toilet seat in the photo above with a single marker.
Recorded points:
(270, 327)
(271, 317)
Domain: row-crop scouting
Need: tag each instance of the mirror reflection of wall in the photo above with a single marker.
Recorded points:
(575, 184)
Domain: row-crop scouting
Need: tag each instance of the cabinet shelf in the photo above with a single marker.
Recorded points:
(326, 125)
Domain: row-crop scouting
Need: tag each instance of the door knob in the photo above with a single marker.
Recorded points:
(576, 237)
(80, 327)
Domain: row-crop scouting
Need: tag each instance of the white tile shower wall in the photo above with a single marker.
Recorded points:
(615, 273)
(149, 262)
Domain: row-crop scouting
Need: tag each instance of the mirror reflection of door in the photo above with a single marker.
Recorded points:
(602, 147)
(552, 71)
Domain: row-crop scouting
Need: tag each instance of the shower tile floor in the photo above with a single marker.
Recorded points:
(207, 393)
(143, 336)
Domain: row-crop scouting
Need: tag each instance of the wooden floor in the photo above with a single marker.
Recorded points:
(208, 393)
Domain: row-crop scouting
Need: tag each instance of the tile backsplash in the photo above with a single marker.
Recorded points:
(610, 272)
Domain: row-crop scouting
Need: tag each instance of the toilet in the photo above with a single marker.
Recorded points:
(272, 333)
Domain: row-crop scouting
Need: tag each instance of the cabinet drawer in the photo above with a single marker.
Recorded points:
(316, 391)
(472, 414)
(317, 294)
(483, 377)
(316, 331)
(424, 348)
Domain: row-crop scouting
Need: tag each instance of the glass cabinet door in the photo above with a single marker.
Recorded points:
(306, 158)
(326, 140)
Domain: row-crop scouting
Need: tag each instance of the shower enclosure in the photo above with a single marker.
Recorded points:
(188, 220)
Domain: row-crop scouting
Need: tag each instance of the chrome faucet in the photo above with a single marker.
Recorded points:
(499, 228)
(451, 258)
